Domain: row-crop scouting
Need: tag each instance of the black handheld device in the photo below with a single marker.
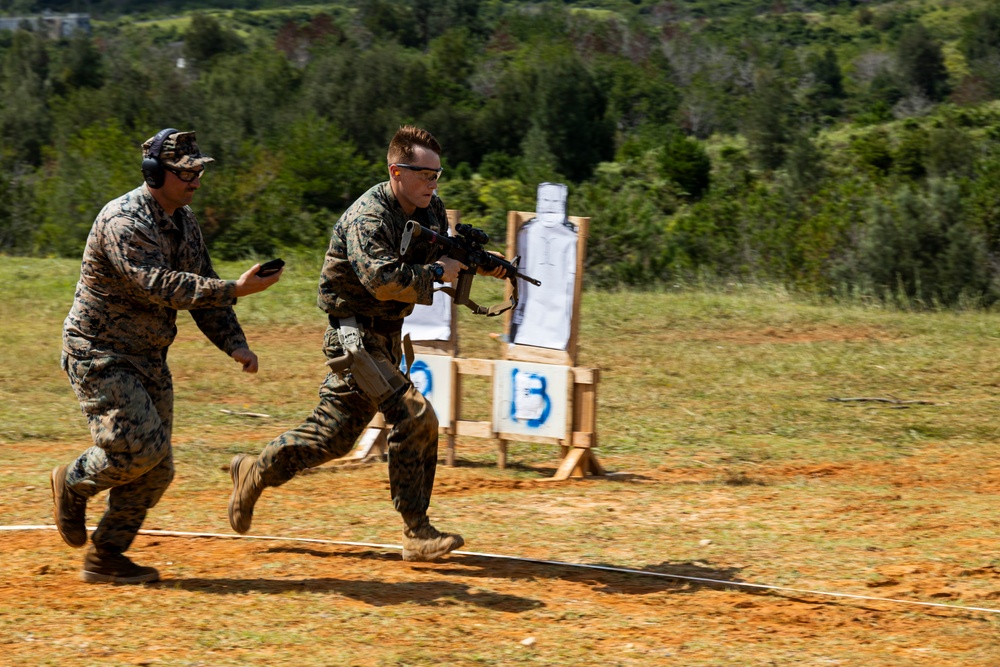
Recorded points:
(270, 268)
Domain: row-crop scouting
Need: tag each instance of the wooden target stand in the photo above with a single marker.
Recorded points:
(578, 458)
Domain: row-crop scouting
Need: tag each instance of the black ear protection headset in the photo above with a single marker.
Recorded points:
(152, 170)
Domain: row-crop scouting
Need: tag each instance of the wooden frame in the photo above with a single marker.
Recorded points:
(579, 459)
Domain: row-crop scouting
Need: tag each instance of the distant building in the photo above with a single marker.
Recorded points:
(53, 26)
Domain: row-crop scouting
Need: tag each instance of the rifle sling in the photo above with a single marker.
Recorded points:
(493, 310)
(408, 353)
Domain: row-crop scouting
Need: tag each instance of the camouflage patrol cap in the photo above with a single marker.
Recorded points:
(179, 150)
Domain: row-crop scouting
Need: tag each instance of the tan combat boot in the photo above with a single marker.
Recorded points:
(247, 488)
(102, 567)
(424, 542)
(70, 509)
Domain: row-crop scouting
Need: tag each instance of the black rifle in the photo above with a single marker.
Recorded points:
(467, 247)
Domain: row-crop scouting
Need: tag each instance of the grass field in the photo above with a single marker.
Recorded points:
(732, 464)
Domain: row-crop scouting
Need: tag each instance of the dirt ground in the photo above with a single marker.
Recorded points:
(543, 613)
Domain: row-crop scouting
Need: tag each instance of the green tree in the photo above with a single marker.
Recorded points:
(638, 93)
(826, 93)
(368, 94)
(805, 164)
(980, 44)
(81, 64)
(452, 104)
(685, 162)
(628, 243)
(389, 20)
(322, 164)
(538, 164)
(708, 237)
(417, 23)
(918, 250)
(980, 201)
(873, 150)
(434, 18)
(950, 152)
(96, 164)
(767, 124)
(451, 62)
(206, 38)
(910, 157)
(980, 39)
(24, 82)
(18, 221)
(244, 96)
(921, 62)
(508, 105)
(569, 107)
(885, 90)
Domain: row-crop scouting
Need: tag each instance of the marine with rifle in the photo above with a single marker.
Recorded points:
(366, 288)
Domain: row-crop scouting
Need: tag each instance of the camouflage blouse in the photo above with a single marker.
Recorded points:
(140, 267)
(364, 274)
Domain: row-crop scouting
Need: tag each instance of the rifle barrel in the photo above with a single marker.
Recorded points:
(536, 283)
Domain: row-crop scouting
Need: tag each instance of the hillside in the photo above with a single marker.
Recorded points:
(834, 147)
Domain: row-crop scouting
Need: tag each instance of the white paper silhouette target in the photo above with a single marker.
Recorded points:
(430, 322)
(548, 247)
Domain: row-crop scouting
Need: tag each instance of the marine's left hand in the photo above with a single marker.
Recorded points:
(496, 272)
(247, 358)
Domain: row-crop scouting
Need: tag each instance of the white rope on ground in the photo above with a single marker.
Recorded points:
(604, 568)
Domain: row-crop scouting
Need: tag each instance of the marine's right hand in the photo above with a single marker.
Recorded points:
(451, 269)
(250, 283)
(246, 357)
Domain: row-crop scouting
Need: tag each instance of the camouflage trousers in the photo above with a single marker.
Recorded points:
(342, 415)
(130, 414)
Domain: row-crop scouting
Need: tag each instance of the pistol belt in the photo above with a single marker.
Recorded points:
(379, 325)
(375, 376)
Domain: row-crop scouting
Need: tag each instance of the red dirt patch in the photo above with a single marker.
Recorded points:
(242, 601)
(203, 577)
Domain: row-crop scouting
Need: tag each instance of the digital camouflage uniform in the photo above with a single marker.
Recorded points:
(139, 268)
(363, 275)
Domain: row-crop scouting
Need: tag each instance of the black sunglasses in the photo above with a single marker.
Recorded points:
(429, 175)
(185, 175)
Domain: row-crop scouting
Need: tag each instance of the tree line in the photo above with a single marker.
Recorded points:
(850, 150)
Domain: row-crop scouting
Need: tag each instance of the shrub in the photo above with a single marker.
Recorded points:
(917, 249)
